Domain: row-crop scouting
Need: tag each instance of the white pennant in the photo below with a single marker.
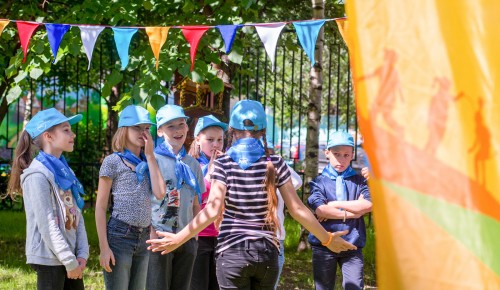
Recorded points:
(269, 34)
(89, 36)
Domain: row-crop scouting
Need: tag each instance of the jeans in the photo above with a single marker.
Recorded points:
(252, 264)
(325, 268)
(128, 244)
(55, 278)
(281, 261)
(173, 270)
(204, 277)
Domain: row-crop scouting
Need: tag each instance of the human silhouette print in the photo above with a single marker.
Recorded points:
(481, 148)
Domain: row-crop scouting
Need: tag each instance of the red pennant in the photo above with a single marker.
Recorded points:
(25, 30)
(193, 35)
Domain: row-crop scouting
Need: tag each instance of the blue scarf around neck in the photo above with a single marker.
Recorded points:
(246, 151)
(183, 172)
(141, 165)
(204, 160)
(64, 177)
(340, 186)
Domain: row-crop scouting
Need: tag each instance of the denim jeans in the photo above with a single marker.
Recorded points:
(55, 278)
(281, 261)
(248, 265)
(325, 268)
(204, 277)
(128, 244)
(173, 270)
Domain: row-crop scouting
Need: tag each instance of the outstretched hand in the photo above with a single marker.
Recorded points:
(338, 244)
(166, 243)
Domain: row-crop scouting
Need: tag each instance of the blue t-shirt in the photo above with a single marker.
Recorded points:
(355, 185)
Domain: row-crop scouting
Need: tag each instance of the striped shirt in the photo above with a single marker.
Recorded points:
(246, 199)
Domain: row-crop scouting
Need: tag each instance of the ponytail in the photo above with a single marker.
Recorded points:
(22, 160)
(270, 186)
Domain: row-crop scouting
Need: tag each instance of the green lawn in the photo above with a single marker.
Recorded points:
(15, 274)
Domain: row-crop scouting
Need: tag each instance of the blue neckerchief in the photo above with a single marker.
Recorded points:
(203, 159)
(183, 172)
(141, 165)
(340, 188)
(64, 177)
(246, 151)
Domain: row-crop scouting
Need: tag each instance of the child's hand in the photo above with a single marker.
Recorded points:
(166, 244)
(76, 273)
(82, 262)
(365, 172)
(104, 258)
(338, 244)
(321, 218)
(148, 144)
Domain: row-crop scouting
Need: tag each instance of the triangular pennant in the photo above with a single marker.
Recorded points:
(269, 34)
(3, 23)
(25, 30)
(123, 36)
(228, 33)
(193, 35)
(157, 37)
(307, 32)
(89, 35)
(343, 24)
(55, 33)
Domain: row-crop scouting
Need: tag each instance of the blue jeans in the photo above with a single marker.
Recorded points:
(281, 261)
(204, 277)
(248, 265)
(325, 268)
(128, 244)
(55, 278)
(173, 270)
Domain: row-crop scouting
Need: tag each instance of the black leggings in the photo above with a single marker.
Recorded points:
(55, 278)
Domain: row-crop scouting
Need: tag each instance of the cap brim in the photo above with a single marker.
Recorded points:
(74, 119)
(217, 124)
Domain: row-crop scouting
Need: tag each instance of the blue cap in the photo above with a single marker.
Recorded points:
(168, 113)
(208, 121)
(248, 110)
(47, 119)
(134, 115)
(340, 138)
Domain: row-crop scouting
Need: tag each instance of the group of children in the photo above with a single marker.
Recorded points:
(206, 219)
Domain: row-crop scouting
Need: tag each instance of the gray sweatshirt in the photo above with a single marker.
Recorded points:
(48, 242)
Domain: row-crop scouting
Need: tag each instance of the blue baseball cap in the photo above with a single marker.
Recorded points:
(208, 121)
(248, 110)
(168, 113)
(340, 138)
(47, 119)
(134, 115)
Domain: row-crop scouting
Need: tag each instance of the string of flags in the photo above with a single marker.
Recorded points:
(269, 33)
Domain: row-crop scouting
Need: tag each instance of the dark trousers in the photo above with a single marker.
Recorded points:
(204, 276)
(55, 278)
(248, 265)
(325, 268)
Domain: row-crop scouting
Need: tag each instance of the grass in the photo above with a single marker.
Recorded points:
(15, 274)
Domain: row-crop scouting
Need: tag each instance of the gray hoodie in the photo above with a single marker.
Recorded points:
(48, 242)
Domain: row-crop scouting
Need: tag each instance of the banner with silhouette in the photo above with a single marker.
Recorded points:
(426, 77)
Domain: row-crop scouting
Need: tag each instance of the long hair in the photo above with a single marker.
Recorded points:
(195, 149)
(270, 178)
(23, 156)
(119, 141)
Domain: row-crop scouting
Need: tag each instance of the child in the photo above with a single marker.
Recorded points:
(246, 179)
(340, 198)
(184, 181)
(56, 241)
(209, 140)
(130, 175)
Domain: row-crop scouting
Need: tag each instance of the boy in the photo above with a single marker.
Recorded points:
(340, 198)
(184, 181)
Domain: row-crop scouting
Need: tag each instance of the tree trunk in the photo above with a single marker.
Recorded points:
(313, 114)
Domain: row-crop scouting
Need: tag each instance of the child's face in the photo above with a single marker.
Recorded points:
(210, 139)
(340, 157)
(174, 132)
(137, 134)
(61, 138)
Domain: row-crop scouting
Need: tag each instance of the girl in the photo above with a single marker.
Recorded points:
(56, 241)
(130, 175)
(209, 140)
(247, 178)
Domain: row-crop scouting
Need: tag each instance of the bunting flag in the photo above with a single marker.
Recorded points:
(307, 32)
(228, 33)
(25, 30)
(193, 35)
(269, 35)
(342, 24)
(425, 80)
(89, 36)
(55, 33)
(3, 23)
(157, 37)
(123, 36)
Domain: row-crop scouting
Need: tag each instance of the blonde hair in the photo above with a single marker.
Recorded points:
(195, 149)
(119, 140)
